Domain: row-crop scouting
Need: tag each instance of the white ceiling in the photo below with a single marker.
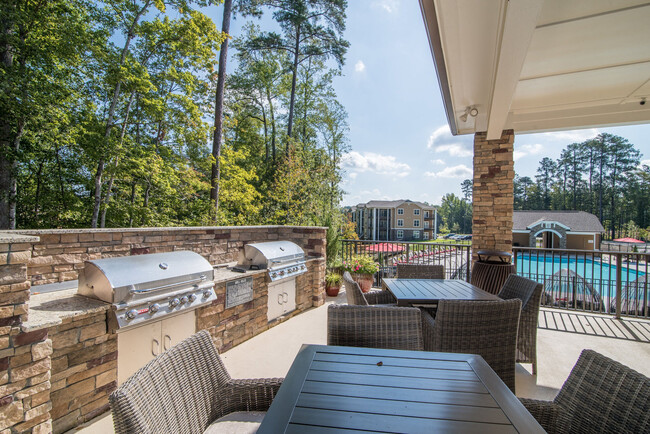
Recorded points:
(541, 65)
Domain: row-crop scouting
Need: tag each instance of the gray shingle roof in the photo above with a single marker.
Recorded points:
(578, 221)
(392, 204)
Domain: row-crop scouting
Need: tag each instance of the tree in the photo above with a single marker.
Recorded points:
(467, 187)
(311, 29)
(544, 179)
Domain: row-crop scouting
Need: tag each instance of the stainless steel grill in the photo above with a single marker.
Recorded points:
(282, 259)
(147, 287)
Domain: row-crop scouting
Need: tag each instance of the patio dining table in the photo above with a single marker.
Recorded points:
(348, 389)
(430, 291)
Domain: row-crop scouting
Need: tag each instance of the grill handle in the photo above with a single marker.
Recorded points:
(171, 285)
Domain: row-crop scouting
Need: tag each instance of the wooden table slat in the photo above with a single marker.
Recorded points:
(460, 365)
(395, 371)
(404, 394)
(392, 407)
(435, 382)
(355, 419)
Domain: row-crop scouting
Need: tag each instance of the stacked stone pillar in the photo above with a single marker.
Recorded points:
(493, 196)
(25, 357)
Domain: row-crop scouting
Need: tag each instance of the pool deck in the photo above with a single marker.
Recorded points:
(562, 335)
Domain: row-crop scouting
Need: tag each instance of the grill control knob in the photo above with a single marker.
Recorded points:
(207, 294)
(154, 308)
(281, 273)
(184, 299)
(191, 297)
(131, 314)
(174, 302)
(274, 274)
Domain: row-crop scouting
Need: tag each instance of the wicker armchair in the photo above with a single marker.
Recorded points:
(416, 271)
(185, 390)
(486, 328)
(357, 297)
(599, 396)
(530, 294)
(398, 328)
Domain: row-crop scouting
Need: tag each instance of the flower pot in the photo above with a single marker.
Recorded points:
(364, 280)
(333, 290)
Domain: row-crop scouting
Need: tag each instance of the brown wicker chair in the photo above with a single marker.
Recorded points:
(397, 328)
(416, 271)
(357, 297)
(486, 328)
(186, 389)
(530, 294)
(599, 396)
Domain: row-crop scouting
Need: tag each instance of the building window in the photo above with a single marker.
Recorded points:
(425, 235)
(416, 211)
(416, 235)
(400, 211)
(416, 223)
(400, 234)
(426, 224)
(426, 214)
(400, 223)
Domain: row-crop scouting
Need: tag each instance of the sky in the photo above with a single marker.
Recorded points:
(401, 147)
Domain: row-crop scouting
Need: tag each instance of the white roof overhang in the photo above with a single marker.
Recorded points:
(540, 65)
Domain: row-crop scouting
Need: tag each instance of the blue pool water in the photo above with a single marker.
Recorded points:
(546, 266)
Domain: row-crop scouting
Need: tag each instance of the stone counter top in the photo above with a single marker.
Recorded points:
(49, 309)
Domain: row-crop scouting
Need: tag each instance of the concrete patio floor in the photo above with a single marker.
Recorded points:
(562, 335)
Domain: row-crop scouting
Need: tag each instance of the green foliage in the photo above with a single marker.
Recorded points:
(333, 279)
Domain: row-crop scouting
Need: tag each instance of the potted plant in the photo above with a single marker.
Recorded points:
(333, 283)
(362, 268)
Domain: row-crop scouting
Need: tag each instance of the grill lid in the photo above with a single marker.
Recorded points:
(117, 279)
(270, 254)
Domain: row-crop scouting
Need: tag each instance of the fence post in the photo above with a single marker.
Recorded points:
(468, 261)
(619, 283)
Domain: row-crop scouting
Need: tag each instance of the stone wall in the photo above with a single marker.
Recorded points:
(25, 357)
(493, 197)
(60, 253)
(230, 327)
(84, 369)
(65, 372)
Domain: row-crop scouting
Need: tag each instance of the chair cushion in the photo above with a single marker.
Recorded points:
(239, 422)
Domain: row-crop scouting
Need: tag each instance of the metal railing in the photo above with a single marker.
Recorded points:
(456, 258)
(584, 280)
(587, 280)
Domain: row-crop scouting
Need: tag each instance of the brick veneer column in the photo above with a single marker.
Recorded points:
(25, 357)
(493, 198)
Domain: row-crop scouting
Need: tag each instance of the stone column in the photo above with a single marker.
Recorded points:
(493, 196)
(25, 357)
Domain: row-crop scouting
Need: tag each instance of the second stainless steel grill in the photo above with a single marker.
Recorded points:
(282, 259)
(147, 287)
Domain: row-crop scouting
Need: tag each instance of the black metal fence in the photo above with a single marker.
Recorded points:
(456, 258)
(585, 280)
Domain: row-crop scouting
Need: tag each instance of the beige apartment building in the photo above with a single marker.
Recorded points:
(394, 220)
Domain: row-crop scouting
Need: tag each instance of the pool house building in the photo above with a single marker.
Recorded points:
(556, 229)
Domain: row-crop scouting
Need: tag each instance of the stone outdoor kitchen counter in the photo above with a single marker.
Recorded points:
(49, 309)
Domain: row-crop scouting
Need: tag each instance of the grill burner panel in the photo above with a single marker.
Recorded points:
(282, 259)
(148, 287)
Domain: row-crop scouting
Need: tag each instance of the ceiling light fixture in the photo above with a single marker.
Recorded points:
(471, 111)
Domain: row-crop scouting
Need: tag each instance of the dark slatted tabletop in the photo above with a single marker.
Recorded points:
(346, 389)
(430, 291)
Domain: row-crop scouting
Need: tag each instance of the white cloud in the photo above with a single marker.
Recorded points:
(439, 162)
(359, 66)
(353, 175)
(371, 162)
(574, 136)
(530, 149)
(441, 140)
(389, 6)
(460, 171)
(645, 163)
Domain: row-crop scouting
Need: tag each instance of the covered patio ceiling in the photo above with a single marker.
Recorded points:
(540, 65)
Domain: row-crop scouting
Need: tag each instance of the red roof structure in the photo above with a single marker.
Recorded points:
(628, 240)
(385, 247)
